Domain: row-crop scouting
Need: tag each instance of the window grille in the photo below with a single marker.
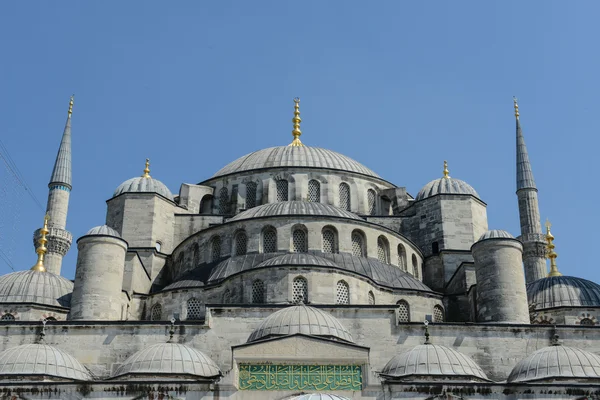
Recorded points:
(258, 292)
(156, 313)
(241, 243)
(269, 241)
(7, 317)
(196, 255)
(299, 242)
(299, 290)
(357, 245)
(415, 266)
(223, 201)
(250, 195)
(282, 190)
(314, 191)
(371, 298)
(193, 309)
(403, 311)
(329, 241)
(382, 251)
(585, 321)
(438, 314)
(226, 296)
(215, 249)
(345, 196)
(343, 293)
(371, 201)
(402, 257)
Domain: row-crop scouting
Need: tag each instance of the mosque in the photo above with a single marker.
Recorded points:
(295, 272)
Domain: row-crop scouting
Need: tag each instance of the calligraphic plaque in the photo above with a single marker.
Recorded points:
(300, 377)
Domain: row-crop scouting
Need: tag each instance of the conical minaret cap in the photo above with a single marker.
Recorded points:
(61, 174)
(524, 174)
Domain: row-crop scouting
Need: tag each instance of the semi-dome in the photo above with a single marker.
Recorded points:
(294, 208)
(557, 363)
(446, 186)
(433, 361)
(496, 234)
(103, 230)
(169, 359)
(563, 291)
(300, 259)
(319, 396)
(291, 156)
(301, 319)
(36, 287)
(141, 184)
(40, 360)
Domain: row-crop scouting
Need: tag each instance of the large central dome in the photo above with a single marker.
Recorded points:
(291, 156)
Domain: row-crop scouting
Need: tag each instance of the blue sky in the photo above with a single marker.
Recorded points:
(399, 86)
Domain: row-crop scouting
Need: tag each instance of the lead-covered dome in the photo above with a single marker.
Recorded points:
(142, 184)
(446, 185)
(40, 360)
(169, 359)
(496, 234)
(295, 208)
(36, 287)
(291, 156)
(103, 230)
(563, 291)
(557, 363)
(433, 361)
(301, 319)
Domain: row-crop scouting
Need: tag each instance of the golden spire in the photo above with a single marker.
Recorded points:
(71, 105)
(147, 169)
(551, 254)
(516, 107)
(446, 172)
(41, 250)
(296, 120)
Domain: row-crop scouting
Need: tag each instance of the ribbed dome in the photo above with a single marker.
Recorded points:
(294, 208)
(300, 319)
(303, 259)
(40, 359)
(445, 186)
(169, 359)
(103, 230)
(141, 184)
(35, 287)
(429, 360)
(557, 362)
(496, 234)
(288, 156)
(319, 396)
(563, 291)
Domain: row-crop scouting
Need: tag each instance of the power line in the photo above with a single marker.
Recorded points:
(13, 169)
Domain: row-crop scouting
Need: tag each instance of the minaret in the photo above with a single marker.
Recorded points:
(534, 244)
(59, 239)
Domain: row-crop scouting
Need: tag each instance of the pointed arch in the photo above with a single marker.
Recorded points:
(314, 191)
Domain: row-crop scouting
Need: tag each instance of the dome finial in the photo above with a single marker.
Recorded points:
(41, 249)
(296, 120)
(446, 172)
(426, 323)
(551, 254)
(71, 105)
(147, 169)
(516, 105)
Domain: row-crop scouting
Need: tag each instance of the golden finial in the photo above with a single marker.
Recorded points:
(147, 169)
(551, 254)
(296, 120)
(71, 105)
(446, 172)
(41, 250)
(516, 107)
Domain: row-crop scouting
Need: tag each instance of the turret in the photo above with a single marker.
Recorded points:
(59, 239)
(534, 251)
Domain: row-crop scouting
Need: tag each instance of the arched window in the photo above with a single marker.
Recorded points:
(383, 250)
(358, 244)
(344, 196)
(282, 189)
(223, 201)
(299, 241)
(438, 314)
(158, 246)
(402, 257)
(156, 312)
(371, 201)
(250, 195)
(299, 290)
(584, 321)
(435, 248)
(215, 248)
(241, 243)
(50, 319)
(258, 292)
(196, 259)
(269, 240)
(343, 293)
(7, 317)
(330, 244)
(415, 266)
(371, 298)
(314, 191)
(226, 296)
(403, 311)
(193, 309)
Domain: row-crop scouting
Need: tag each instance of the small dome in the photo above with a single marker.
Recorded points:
(103, 230)
(563, 291)
(142, 184)
(446, 186)
(556, 362)
(319, 396)
(290, 156)
(169, 359)
(496, 234)
(294, 208)
(35, 287)
(429, 360)
(40, 359)
(301, 319)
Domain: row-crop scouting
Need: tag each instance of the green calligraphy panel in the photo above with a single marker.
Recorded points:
(300, 377)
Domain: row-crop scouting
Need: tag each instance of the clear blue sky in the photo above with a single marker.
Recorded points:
(399, 86)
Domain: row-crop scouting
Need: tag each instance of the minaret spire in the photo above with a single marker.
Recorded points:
(296, 120)
(524, 174)
(61, 174)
